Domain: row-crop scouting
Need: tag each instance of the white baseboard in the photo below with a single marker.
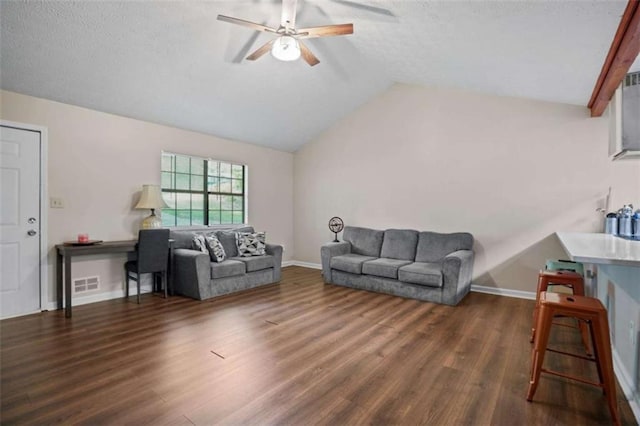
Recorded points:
(626, 383)
(21, 315)
(100, 297)
(304, 264)
(531, 295)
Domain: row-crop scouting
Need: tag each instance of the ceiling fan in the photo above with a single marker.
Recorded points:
(288, 46)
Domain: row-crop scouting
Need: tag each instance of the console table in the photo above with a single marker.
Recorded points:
(65, 254)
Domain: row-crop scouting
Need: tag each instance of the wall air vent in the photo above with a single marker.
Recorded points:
(624, 116)
(81, 285)
(632, 79)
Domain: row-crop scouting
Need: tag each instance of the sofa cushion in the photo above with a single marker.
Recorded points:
(183, 239)
(250, 243)
(214, 248)
(228, 268)
(199, 244)
(433, 247)
(350, 262)
(384, 267)
(399, 244)
(364, 241)
(427, 274)
(228, 240)
(257, 263)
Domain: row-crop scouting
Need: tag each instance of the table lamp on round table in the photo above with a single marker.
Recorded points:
(151, 198)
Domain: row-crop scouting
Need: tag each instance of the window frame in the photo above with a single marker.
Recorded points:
(204, 192)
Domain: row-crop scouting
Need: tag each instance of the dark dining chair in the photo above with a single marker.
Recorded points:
(153, 251)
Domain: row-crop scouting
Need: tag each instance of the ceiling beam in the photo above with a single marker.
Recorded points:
(623, 52)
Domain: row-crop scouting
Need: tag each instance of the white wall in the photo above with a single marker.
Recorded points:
(510, 171)
(98, 163)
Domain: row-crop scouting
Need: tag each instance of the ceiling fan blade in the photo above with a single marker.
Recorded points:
(307, 55)
(253, 25)
(261, 51)
(288, 19)
(325, 31)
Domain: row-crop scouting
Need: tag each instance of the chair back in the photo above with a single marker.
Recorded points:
(153, 250)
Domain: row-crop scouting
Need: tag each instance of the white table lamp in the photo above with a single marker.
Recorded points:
(151, 198)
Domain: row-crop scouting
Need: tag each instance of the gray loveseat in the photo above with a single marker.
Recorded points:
(196, 276)
(420, 265)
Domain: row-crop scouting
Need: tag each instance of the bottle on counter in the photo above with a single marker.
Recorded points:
(611, 224)
(625, 226)
(635, 223)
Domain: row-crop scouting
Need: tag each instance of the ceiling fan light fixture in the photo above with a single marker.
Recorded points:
(286, 48)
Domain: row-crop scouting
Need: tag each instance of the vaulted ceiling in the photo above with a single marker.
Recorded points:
(172, 62)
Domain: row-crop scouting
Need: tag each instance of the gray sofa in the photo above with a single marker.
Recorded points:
(195, 275)
(420, 265)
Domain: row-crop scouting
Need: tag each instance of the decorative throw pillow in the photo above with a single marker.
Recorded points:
(251, 243)
(199, 244)
(216, 251)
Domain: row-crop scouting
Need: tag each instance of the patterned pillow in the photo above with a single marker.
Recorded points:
(251, 244)
(216, 251)
(198, 243)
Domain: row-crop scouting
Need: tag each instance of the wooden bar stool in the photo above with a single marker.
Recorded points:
(572, 280)
(591, 312)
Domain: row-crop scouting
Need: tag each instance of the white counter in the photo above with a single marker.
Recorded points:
(600, 248)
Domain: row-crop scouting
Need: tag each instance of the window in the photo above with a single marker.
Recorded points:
(202, 191)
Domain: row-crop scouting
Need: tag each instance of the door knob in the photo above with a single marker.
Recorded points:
(32, 220)
(31, 232)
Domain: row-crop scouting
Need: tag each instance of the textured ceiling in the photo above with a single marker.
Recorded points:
(174, 63)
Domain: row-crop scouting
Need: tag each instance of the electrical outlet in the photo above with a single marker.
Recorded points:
(56, 203)
(632, 333)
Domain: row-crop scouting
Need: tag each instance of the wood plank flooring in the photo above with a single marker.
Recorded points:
(298, 352)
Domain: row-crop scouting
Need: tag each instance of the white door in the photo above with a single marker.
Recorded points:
(19, 221)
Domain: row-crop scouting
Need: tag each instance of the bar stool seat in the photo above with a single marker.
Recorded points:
(591, 312)
(569, 279)
(564, 265)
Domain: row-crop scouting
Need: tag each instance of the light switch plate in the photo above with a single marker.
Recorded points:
(56, 203)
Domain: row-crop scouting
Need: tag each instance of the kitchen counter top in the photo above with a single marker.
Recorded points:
(600, 248)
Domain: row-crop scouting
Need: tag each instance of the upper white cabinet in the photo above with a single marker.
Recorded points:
(624, 119)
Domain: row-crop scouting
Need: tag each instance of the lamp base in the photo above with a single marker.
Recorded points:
(152, 222)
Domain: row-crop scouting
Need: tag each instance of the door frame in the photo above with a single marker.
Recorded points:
(44, 246)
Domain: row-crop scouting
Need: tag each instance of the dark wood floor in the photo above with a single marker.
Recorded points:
(300, 352)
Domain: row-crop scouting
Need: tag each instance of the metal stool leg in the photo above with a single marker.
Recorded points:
(543, 329)
(605, 361)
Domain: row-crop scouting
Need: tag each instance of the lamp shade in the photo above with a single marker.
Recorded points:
(151, 198)
(286, 48)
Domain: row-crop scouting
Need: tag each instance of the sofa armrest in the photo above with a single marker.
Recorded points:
(192, 272)
(457, 270)
(275, 250)
(329, 250)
